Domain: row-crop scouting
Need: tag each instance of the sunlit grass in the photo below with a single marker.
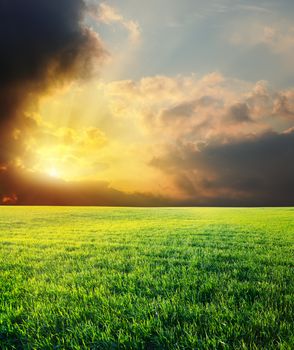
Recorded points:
(115, 278)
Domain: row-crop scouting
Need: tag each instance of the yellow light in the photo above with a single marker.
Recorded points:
(53, 172)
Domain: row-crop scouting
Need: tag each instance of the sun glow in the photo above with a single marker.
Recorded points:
(53, 172)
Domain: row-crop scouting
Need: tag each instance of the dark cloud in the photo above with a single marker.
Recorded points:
(258, 170)
(43, 45)
(239, 113)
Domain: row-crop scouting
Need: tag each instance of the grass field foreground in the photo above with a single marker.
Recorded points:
(135, 278)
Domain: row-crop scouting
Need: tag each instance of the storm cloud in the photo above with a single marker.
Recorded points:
(44, 44)
(258, 170)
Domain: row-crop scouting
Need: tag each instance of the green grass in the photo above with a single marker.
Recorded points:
(115, 278)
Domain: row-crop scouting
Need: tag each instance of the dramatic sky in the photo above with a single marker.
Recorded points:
(166, 102)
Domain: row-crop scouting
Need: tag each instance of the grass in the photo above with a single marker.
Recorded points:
(118, 278)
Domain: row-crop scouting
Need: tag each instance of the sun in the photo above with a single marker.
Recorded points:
(53, 172)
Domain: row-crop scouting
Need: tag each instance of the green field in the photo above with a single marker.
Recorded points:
(121, 278)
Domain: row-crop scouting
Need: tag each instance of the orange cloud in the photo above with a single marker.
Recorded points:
(9, 199)
(109, 15)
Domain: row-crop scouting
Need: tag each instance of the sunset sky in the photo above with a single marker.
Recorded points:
(170, 102)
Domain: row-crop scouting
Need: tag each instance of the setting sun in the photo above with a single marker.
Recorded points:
(53, 172)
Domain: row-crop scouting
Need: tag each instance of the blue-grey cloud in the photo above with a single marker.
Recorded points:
(255, 171)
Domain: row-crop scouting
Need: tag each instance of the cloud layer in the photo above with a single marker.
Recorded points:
(194, 141)
(218, 140)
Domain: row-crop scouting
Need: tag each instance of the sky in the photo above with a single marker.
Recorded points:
(147, 103)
